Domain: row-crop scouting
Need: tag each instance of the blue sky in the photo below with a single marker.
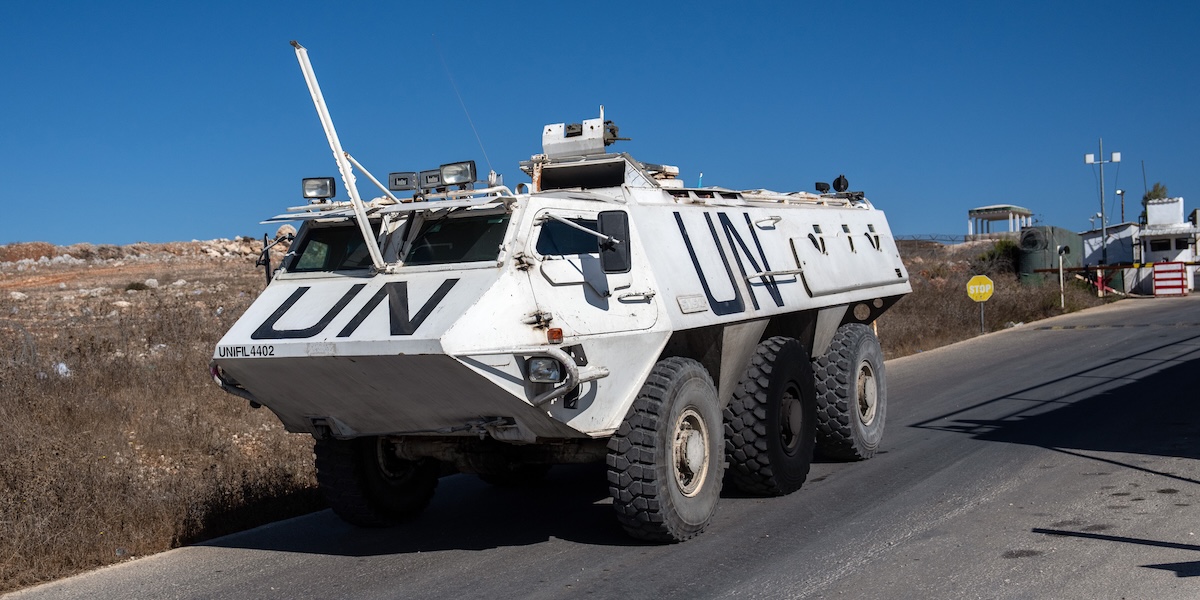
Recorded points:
(164, 121)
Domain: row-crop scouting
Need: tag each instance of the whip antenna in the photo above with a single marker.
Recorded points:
(442, 57)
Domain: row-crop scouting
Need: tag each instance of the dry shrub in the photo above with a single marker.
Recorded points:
(135, 451)
(939, 312)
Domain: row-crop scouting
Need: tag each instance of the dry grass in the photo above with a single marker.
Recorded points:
(136, 451)
(938, 311)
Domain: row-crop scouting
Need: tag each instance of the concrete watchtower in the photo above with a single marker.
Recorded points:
(980, 222)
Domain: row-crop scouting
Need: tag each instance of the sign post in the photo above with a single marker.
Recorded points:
(980, 288)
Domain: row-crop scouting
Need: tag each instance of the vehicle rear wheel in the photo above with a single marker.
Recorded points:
(770, 422)
(851, 394)
(367, 484)
(665, 462)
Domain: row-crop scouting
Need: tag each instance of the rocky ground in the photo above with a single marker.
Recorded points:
(45, 283)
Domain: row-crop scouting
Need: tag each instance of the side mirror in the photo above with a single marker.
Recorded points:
(614, 253)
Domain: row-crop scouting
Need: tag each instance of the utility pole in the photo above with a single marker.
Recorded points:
(1090, 159)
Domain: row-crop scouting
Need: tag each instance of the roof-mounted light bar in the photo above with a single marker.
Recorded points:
(319, 188)
(461, 174)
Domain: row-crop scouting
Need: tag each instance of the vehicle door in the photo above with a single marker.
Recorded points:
(568, 281)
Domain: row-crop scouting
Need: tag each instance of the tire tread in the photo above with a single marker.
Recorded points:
(747, 439)
(834, 371)
(632, 460)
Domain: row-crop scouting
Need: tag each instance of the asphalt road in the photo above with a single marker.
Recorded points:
(1059, 459)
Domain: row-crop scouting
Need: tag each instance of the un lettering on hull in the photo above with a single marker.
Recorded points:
(726, 251)
(727, 254)
(298, 312)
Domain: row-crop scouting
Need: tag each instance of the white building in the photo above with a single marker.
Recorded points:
(1168, 237)
(1121, 241)
(1165, 237)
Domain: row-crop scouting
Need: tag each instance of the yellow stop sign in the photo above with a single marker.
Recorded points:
(980, 288)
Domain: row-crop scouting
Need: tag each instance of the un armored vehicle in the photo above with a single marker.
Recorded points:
(604, 311)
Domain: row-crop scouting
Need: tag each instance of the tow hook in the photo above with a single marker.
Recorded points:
(230, 386)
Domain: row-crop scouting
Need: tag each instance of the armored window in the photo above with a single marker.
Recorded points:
(463, 239)
(1181, 243)
(557, 238)
(609, 173)
(331, 249)
(1160, 245)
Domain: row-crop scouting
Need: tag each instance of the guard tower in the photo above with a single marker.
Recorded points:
(980, 222)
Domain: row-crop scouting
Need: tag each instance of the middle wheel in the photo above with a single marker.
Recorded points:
(770, 424)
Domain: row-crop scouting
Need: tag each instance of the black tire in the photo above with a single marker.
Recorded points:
(666, 460)
(515, 475)
(367, 485)
(770, 424)
(851, 395)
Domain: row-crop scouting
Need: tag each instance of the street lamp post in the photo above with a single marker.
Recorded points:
(1121, 195)
(1090, 159)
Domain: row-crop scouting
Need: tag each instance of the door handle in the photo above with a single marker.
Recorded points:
(637, 296)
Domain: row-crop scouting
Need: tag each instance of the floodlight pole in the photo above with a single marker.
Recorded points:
(1089, 159)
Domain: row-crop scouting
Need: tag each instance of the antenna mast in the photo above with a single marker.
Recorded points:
(360, 211)
(462, 104)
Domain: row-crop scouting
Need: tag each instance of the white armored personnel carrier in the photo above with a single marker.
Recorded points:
(603, 312)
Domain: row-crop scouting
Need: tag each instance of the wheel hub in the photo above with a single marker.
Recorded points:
(691, 452)
(392, 467)
(868, 393)
(791, 420)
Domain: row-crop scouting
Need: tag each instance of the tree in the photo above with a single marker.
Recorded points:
(1158, 192)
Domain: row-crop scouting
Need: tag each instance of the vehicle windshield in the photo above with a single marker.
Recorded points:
(331, 249)
(458, 239)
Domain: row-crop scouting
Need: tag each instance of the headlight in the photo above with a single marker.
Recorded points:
(544, 370)
(321, 188)
(458, 173)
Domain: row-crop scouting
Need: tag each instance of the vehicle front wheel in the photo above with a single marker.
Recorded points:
(367, 484)
(665, 462)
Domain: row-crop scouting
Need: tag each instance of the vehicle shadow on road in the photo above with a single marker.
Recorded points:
(1181, 569)
(465, 514)
(1154, 413)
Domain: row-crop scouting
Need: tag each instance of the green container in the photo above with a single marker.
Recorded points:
(1039, 250)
